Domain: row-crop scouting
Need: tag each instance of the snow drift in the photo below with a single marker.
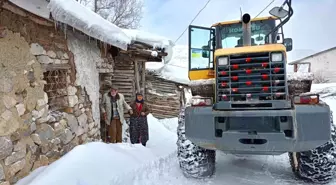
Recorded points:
(105, 164)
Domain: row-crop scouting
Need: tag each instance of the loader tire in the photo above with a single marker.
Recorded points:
(317, 165)
(195, 162)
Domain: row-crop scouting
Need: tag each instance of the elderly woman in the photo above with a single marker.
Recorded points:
(138, 121)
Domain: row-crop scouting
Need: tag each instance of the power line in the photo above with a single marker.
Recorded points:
(193, 20)
(264, 8)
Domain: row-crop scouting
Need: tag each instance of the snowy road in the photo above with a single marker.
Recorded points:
(231, 170)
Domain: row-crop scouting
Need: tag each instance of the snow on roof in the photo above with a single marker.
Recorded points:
(176, 69)
(37, 7)
(78, 16)
(310, 56)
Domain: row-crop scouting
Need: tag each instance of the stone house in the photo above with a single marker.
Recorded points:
(50, 75)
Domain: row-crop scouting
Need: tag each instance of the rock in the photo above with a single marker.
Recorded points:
(37, 49)
(64, 61)
(44, 119)
(93, 131)
(42, 161)
(32, 127)
(82, 110)
(82, 119)
(15, 136)
(2, 173)
(9, 101)
(6, 115)
(16, 167)
(51, 54)
(36, 139)
(20, 146)
(45, 132)
(16, 156)
(91, 125)
(67, 136)
(40, 104)
(40, 113)
(58, 128)
(56, 141)
(65, 56)
(6, 84)
(4, 183)
(64, 123)
(72, 90)
(57, 61)
(45, 95)
(45, 59)
(79, 131)
(33, 148)
(6, 147)
(20, 109)
(30, 62)
(72, 122)
(73, 100)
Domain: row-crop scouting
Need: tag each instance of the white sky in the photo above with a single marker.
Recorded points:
(312, 26)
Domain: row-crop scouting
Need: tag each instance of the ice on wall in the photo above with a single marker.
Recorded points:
(86, 55)
(78, 16)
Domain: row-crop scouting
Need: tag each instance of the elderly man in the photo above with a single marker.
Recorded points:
(113, 105)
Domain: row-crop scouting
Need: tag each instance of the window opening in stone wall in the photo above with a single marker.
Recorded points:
(56, 88)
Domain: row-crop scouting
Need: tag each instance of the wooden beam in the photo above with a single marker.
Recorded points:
(53, 67)
(143, 78)
(137, 77)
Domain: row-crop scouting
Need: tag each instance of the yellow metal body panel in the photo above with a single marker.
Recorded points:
(209, 73)
(239, 21)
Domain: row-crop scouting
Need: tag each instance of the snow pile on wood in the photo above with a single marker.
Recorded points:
(78, 16)
(300, 76)
(151, 39)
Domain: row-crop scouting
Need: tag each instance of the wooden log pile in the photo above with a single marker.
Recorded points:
(163, 97)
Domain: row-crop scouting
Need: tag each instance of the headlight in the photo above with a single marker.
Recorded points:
(222, 61)
(276, 57)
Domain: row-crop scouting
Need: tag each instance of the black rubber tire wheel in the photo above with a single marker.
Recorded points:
(317, 165)
(195, 162)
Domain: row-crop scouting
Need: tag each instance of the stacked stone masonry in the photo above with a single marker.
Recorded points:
(31, 134)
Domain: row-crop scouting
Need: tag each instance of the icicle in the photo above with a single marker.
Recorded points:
(73, 29)
(55, 24)
(65, 30)
(89, 39)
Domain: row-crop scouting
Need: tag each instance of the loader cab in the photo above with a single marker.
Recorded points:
(205, 44)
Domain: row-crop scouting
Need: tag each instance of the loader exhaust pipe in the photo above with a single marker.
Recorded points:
(246, 21)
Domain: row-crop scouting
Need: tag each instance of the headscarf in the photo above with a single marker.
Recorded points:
(136, 98)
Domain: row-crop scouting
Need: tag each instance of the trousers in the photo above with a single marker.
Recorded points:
(115, 131)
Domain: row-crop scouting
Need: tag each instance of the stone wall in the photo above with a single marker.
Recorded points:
(33, 130)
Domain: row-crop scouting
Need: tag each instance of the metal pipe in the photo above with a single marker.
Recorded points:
(246, 24)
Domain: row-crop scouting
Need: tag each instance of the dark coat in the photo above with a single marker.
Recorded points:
(139, 124)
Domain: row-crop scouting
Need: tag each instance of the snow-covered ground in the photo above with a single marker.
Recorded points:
(126, 164)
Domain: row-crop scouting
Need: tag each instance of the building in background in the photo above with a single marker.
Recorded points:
(321, 64)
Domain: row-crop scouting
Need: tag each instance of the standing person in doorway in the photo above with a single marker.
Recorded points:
(138, 123)
(113, 105)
